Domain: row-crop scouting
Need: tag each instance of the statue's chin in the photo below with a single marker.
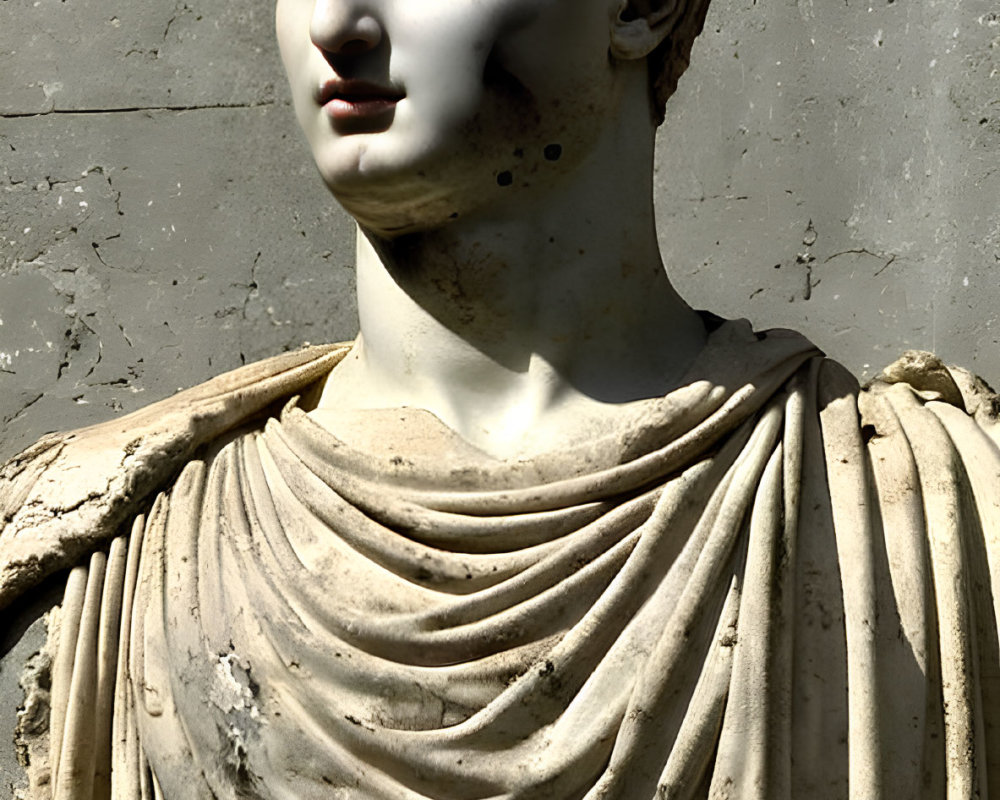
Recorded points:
(391, 200)
(392, 207)
(385, 183)
(417, 175)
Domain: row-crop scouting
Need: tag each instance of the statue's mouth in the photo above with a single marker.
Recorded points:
(357, 100)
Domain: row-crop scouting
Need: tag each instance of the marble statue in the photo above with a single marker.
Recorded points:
(542, 530)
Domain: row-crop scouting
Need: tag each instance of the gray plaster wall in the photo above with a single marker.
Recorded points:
(160, 219)
(835, 167)
(831, 167)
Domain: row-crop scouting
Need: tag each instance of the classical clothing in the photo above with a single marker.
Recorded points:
(766, 584)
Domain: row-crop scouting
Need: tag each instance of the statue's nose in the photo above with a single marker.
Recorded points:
(344, 27)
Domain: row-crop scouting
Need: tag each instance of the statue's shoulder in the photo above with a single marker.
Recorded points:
(70, 492)
(921, 442)
(932, 433)
(920, 389)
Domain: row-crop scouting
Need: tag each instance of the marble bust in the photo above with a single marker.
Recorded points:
(542, 530)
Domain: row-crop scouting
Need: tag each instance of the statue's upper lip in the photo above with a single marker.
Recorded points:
(356, 91)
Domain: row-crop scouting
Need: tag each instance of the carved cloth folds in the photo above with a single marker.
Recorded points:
(763, 585)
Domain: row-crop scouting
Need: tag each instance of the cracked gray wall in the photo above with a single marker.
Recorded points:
(160, 220)
(835, 168)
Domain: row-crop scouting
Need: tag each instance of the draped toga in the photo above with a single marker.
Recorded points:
(765, 584)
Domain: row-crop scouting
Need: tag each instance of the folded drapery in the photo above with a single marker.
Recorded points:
(764, 584)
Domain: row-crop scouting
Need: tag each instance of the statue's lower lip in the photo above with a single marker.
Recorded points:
(368, 114)
(359, 107)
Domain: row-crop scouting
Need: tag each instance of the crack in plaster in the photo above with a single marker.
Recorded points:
(100, 353)
(866, 252)
(36, 257)
(17, 414)
(116, 193)
(180, 9)
(807, 260)
(135, 109)
(252, 288)
(73, 342)
(97, 249)
(60, 235)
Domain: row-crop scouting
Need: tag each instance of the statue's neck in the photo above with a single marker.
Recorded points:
(555, 306)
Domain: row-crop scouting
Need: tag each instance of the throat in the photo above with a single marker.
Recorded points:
(500, 413)
(521, 335)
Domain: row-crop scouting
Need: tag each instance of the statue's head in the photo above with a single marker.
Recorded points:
(419, 111)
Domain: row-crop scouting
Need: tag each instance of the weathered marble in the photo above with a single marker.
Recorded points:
(764, 583)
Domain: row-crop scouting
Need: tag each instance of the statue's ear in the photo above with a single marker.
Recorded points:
(641, 25)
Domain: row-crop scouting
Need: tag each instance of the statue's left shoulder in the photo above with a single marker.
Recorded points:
(933, 435)
(923, 389)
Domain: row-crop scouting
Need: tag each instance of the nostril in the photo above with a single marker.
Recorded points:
(355, 46)
(345, 36)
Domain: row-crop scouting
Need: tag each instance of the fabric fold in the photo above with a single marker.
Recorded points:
(767, 584)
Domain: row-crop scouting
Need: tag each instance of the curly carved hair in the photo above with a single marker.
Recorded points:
(668, 62)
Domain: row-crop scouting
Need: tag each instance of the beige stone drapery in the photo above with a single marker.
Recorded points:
(766, 584)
